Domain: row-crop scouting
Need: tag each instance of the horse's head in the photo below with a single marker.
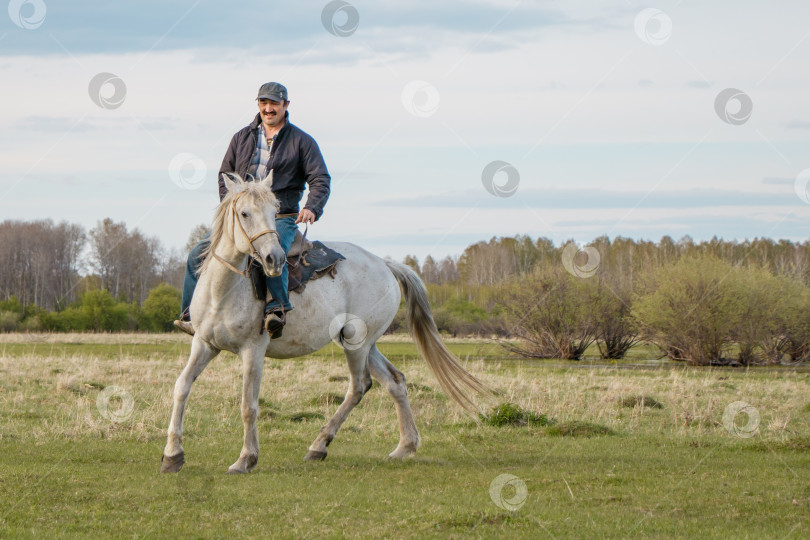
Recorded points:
(254, 209)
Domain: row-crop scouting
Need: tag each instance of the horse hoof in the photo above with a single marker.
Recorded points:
(172, 464)
(403, 453)
(313, 455)
(244, 466)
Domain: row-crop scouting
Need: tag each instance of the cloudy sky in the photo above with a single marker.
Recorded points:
(442, 123)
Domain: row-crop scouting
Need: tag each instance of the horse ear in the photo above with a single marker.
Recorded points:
(233, 182)
(268, 180)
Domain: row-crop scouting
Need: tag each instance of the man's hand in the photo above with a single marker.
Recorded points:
(305, 216)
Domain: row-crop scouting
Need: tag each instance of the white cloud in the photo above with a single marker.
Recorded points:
(572, 98)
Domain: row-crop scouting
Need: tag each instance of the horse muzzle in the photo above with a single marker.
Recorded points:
(274, 262)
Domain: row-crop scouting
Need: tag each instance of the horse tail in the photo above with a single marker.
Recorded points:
(452, 377)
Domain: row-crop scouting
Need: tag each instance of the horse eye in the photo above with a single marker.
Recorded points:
(244, 214)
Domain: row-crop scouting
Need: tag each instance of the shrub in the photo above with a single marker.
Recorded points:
(71, 319)
(101, 312)
(160, 308)
(691, 309)
(12, 304)
(774, 310)
(30, 324)
(509, 414)
(699, 308)
(446, 321)
(551, 311)
(794, 323)
(616, 329)
(9, 321)
(399, 324)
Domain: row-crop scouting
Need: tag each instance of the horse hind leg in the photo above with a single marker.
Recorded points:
(359, 384)
(173, 455)
(394, 382)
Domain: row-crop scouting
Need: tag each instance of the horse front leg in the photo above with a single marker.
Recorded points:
(252, 366)
(173, 455)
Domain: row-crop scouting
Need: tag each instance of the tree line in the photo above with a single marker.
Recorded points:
(52, 265)
(710, 302)
(704, 302)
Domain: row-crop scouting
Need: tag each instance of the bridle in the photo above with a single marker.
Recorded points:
(253, 252)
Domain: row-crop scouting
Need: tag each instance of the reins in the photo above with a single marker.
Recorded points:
(253, 252)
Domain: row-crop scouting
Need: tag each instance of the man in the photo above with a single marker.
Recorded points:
(271, 142)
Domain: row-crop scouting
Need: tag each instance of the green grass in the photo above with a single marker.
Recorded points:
(605, 468)
(509, 414)
(641, 401)
(578, 428)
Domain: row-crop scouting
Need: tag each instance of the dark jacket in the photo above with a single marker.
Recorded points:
(296, 162)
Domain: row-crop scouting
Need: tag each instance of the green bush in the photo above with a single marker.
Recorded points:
(30, 324)
(691, 309)
(96, 311)
(465, 310)
(509, 414)
(9, 321)
(12, 304)
(446, 322)
(794, 314)
(71, 319)
(616, 329)
(703, 310)
(774, 317)
(161, 307)
(101, 312)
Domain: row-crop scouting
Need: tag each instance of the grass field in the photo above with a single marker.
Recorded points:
(630, 452)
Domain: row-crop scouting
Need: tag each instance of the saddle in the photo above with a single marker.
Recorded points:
(306, 261)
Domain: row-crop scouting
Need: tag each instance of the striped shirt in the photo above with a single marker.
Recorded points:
(261, 156)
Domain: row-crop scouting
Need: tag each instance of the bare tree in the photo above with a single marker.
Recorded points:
(127, 263)
(172, 267)
(412, 262)
(430, 271)
(40, 261)
(448, 272)
(197, 234)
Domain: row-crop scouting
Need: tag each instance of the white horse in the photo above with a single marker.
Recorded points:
(354, 308)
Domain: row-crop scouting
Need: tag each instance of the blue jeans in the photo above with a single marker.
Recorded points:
(277, 286)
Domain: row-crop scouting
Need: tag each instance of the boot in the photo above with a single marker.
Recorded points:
(185, 326)
(274, 321)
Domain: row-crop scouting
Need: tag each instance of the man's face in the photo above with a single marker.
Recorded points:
(272, 112)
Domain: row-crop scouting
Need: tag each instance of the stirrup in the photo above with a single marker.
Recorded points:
(274, 322)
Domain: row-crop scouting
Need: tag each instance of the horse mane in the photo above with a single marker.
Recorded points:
(258, 191)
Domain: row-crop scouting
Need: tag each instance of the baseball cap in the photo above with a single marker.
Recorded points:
(272, 91)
